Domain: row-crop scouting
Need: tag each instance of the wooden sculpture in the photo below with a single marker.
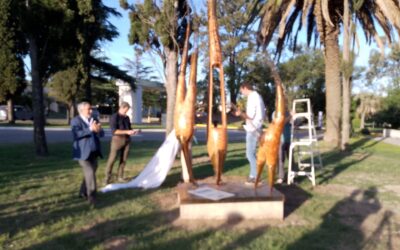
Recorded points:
(216, 136)
(270, 139)
(185, 105)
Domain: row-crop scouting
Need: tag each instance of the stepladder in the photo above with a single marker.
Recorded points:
(304, 155)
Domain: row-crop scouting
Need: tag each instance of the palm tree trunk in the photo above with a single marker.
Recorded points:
(10, 111)
(346, 74)
(346, 113)
(333, 86)
(171, 71)
(39, 136)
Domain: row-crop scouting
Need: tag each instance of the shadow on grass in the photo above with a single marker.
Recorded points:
(245, 239)
(46, 209)
(136, 232)
(341, 227)
(26, 208)
(202, 171)
(294, 197)
(334, 158)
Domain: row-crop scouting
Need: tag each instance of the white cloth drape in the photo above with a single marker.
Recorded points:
(156, 170)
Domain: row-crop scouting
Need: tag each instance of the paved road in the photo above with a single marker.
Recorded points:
(25, 135)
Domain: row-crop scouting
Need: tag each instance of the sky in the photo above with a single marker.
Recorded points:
(119, 48)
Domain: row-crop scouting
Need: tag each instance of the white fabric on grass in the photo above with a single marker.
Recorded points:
(156, 170)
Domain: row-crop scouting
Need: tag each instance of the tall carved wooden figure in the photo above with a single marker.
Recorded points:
(270, 139)
(185, 106)
(216, 136)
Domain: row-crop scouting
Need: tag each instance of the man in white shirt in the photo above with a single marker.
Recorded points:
(254, 117)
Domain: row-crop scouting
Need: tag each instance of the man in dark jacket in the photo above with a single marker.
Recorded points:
(86, 148)
(121, 130)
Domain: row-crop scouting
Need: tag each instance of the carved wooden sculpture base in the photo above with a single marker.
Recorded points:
(248, 203)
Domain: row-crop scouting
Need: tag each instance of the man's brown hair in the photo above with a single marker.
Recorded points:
(124, 105)
(247, 85)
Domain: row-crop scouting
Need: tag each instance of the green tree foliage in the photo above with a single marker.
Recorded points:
(60, 34)
(394, 66)
(202, 92)
(368, 104)
(151, 98)
(64, 88)
(323, 19)
(386, 70)
(304, 77)
(259, 74)
(105, 94)
(390, 112)
(44, 25)
(12, 50)
(237, 41)
(92, 28)
(160, 28)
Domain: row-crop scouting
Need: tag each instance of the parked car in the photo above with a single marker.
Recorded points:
(20, 113)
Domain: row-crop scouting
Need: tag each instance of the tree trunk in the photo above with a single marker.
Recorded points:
(362, 122)
(39, 136)
(346, 74)
(346, 113)
(232, 78)
(149, 114)
(10, 111)
(171, 72)
(87, 84)
(333, 90)
(70, 112)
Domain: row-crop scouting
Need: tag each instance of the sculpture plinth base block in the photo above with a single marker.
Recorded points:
(247, 202)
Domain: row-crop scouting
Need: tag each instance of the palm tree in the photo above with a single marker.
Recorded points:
(323, 19)
(369, 104)
(347, 71)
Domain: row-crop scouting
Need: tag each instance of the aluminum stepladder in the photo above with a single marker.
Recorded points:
(304, 143)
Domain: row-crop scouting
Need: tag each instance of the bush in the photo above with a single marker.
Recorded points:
(365, 131)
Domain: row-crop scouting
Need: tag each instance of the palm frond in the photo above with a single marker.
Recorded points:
(307, 7)
(271, 16)
(367, 22)
(286, 12)
(391, 10)
(310, 25)
(319, 20)
(325, 12)
(288, 29)
(383, 22)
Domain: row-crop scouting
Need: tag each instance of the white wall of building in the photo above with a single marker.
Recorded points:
(126, 94)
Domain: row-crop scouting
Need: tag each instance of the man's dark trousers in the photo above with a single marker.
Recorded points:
(119, 144)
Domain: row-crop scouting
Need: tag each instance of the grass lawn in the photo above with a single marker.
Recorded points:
(355, 204)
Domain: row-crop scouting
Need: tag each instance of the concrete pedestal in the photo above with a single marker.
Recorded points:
(248, 203)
